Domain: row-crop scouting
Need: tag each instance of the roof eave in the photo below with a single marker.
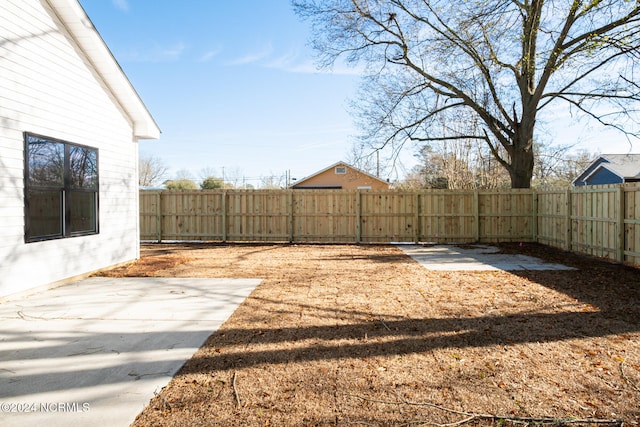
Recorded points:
(80, 27)
(583, 176)
(333, 166)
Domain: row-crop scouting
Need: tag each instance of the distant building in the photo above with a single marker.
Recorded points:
(611, 169)
(341, 176)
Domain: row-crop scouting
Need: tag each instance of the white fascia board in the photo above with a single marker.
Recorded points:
(80, 27)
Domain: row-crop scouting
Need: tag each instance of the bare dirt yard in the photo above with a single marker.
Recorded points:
(363, 335)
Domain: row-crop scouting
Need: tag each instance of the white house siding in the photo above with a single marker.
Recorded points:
(47, 87)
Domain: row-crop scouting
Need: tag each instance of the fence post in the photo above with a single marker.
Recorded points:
(534, 215)
(290, 207)
(223, 204)
(159, 216)
(476, 216)
(416, 217)
(568, 222)
(621, 217)
(358, 218)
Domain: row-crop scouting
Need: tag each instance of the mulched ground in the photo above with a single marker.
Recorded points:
(363, 335)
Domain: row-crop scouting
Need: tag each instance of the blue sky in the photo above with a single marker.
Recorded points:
(232, 84)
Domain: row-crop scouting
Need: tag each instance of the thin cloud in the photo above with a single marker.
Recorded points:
(122, 5)
(292, 63)
(157, 54)
(253, 57)
(209, 55)
(172, 52)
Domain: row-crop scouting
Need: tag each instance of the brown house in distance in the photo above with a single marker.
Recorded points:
(341, 176)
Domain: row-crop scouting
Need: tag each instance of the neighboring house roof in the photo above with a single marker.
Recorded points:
(307, 178)
(80, 27)
(624, 166)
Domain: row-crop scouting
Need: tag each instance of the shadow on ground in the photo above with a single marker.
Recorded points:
(608, 309)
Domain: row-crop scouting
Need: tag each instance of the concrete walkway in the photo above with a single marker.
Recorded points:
(474, 258)
(94, 352)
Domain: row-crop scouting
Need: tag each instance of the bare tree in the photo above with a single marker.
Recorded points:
(361, 158)
(412, 181)
(273, 181)
(207, 172)
(457, 165)
(234, 178)
(151, 170)
(558, 165)
(182, 174)
(498, 63)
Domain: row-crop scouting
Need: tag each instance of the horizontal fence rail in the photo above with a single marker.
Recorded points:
(600, 221)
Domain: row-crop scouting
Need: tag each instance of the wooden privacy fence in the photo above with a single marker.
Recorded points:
(599, 221)
(595, 220)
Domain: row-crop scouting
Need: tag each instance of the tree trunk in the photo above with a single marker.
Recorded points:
(521, 170)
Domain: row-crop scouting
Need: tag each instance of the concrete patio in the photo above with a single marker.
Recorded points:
(474, 258)
(94, 352)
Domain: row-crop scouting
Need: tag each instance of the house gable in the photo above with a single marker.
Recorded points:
(602, 175)
(341, 176)
(82, 32)
(610, 169)
(580, 179)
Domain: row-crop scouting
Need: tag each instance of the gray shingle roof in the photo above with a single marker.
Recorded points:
(625, 165)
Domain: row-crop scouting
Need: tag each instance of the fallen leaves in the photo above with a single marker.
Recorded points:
(331, 321)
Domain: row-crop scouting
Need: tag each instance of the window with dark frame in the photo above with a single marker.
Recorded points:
(61, 189)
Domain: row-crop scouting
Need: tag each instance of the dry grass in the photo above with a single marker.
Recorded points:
(355, 335)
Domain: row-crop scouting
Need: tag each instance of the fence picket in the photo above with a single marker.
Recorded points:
(601, 221)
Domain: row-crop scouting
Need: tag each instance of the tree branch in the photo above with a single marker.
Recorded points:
(562, 45)
(598, 118)
(466, 47)
(577, 79)
(471, 416)
(235, 389)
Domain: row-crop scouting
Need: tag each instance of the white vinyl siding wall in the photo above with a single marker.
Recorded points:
(48, 88)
